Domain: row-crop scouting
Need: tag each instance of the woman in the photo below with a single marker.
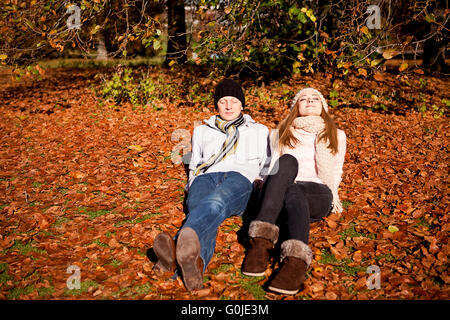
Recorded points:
(305, 186)
(228, 153)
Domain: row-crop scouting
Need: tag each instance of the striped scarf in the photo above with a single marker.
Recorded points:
(230, 128)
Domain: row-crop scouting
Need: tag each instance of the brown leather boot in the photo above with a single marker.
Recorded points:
(263, 237)
(164, 248)
(189, 260)
(296, 257)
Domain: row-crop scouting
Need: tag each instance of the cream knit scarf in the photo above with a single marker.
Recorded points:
(324, 157)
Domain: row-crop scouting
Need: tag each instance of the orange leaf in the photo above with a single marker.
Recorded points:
(403, 67)
(378, 77)
(389, 53)
(362, 72)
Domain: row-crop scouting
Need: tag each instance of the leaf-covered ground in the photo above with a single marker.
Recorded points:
(85, 182)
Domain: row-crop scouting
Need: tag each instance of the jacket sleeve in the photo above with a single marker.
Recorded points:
(265, 152)
(340, 157)
(275, 150)
(196, 155)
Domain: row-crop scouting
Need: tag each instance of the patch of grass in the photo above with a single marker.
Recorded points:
(346, 204)
(84, 287)
(423, 222)
(23, 248)
(46, 233)
(60, 221)
(109, 234)
(223, 268)
(351, 289)
(340, 264)
(115, 263)
(36, 184)
(139, 252)
(94, 63)
(388, 256)
(34, 203)
(119, 292)
(142, 289)
(351, 232)
(42, 292)
(93, 214)
(232, 227)
(327, 257)
(137, 220)
(352, 271)
(438, 281)
(251, 285)
(4, 276)
(99, 243)
(16, 292)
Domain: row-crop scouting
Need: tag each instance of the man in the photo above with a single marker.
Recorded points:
(229, 152)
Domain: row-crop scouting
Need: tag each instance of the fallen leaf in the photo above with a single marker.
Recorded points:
(392, 228)
(113, 243)
(378, 76)
(362, 72)
(136, 147)
(331, 295)
(403, 67)
(389, 53)
(357, 256)
(203, 292)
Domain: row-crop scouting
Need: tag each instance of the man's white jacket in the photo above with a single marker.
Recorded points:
(252, 155)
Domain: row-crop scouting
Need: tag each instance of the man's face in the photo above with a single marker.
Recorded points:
(229, 107)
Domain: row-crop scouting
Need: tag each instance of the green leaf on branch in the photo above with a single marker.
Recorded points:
(310, 14)
(301, 16)
(156, 45)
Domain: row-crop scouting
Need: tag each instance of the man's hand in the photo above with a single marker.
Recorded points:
(258, 183)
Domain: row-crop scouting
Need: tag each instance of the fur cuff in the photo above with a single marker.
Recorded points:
(262, 229)
(296, 248)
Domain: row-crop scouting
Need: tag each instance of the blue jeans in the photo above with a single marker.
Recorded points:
(211, 199)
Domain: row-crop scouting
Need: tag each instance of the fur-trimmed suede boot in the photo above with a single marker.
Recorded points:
(263, 236)
(295, 259)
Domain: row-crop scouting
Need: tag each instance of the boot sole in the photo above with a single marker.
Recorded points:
(164, 248)
(283, 291)
(254, 274)
(187, 254)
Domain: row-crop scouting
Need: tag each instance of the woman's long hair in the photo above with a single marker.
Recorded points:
(329, 134)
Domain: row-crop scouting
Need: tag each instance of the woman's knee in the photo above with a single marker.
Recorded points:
(287, 164)
(288, 160)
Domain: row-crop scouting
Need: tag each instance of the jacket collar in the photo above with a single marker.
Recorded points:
(211, 122)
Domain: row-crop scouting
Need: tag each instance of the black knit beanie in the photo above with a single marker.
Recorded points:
(229, 87)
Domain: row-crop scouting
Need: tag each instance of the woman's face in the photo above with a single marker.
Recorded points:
(229, 108)
(309, 104)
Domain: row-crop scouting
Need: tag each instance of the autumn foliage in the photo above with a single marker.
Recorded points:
(89, 182)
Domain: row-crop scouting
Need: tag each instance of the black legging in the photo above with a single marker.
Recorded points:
(303, 201)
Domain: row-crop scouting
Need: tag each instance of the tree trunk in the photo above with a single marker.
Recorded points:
(435, 47)
(102, 53)
(177, 41)
(434, 56)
